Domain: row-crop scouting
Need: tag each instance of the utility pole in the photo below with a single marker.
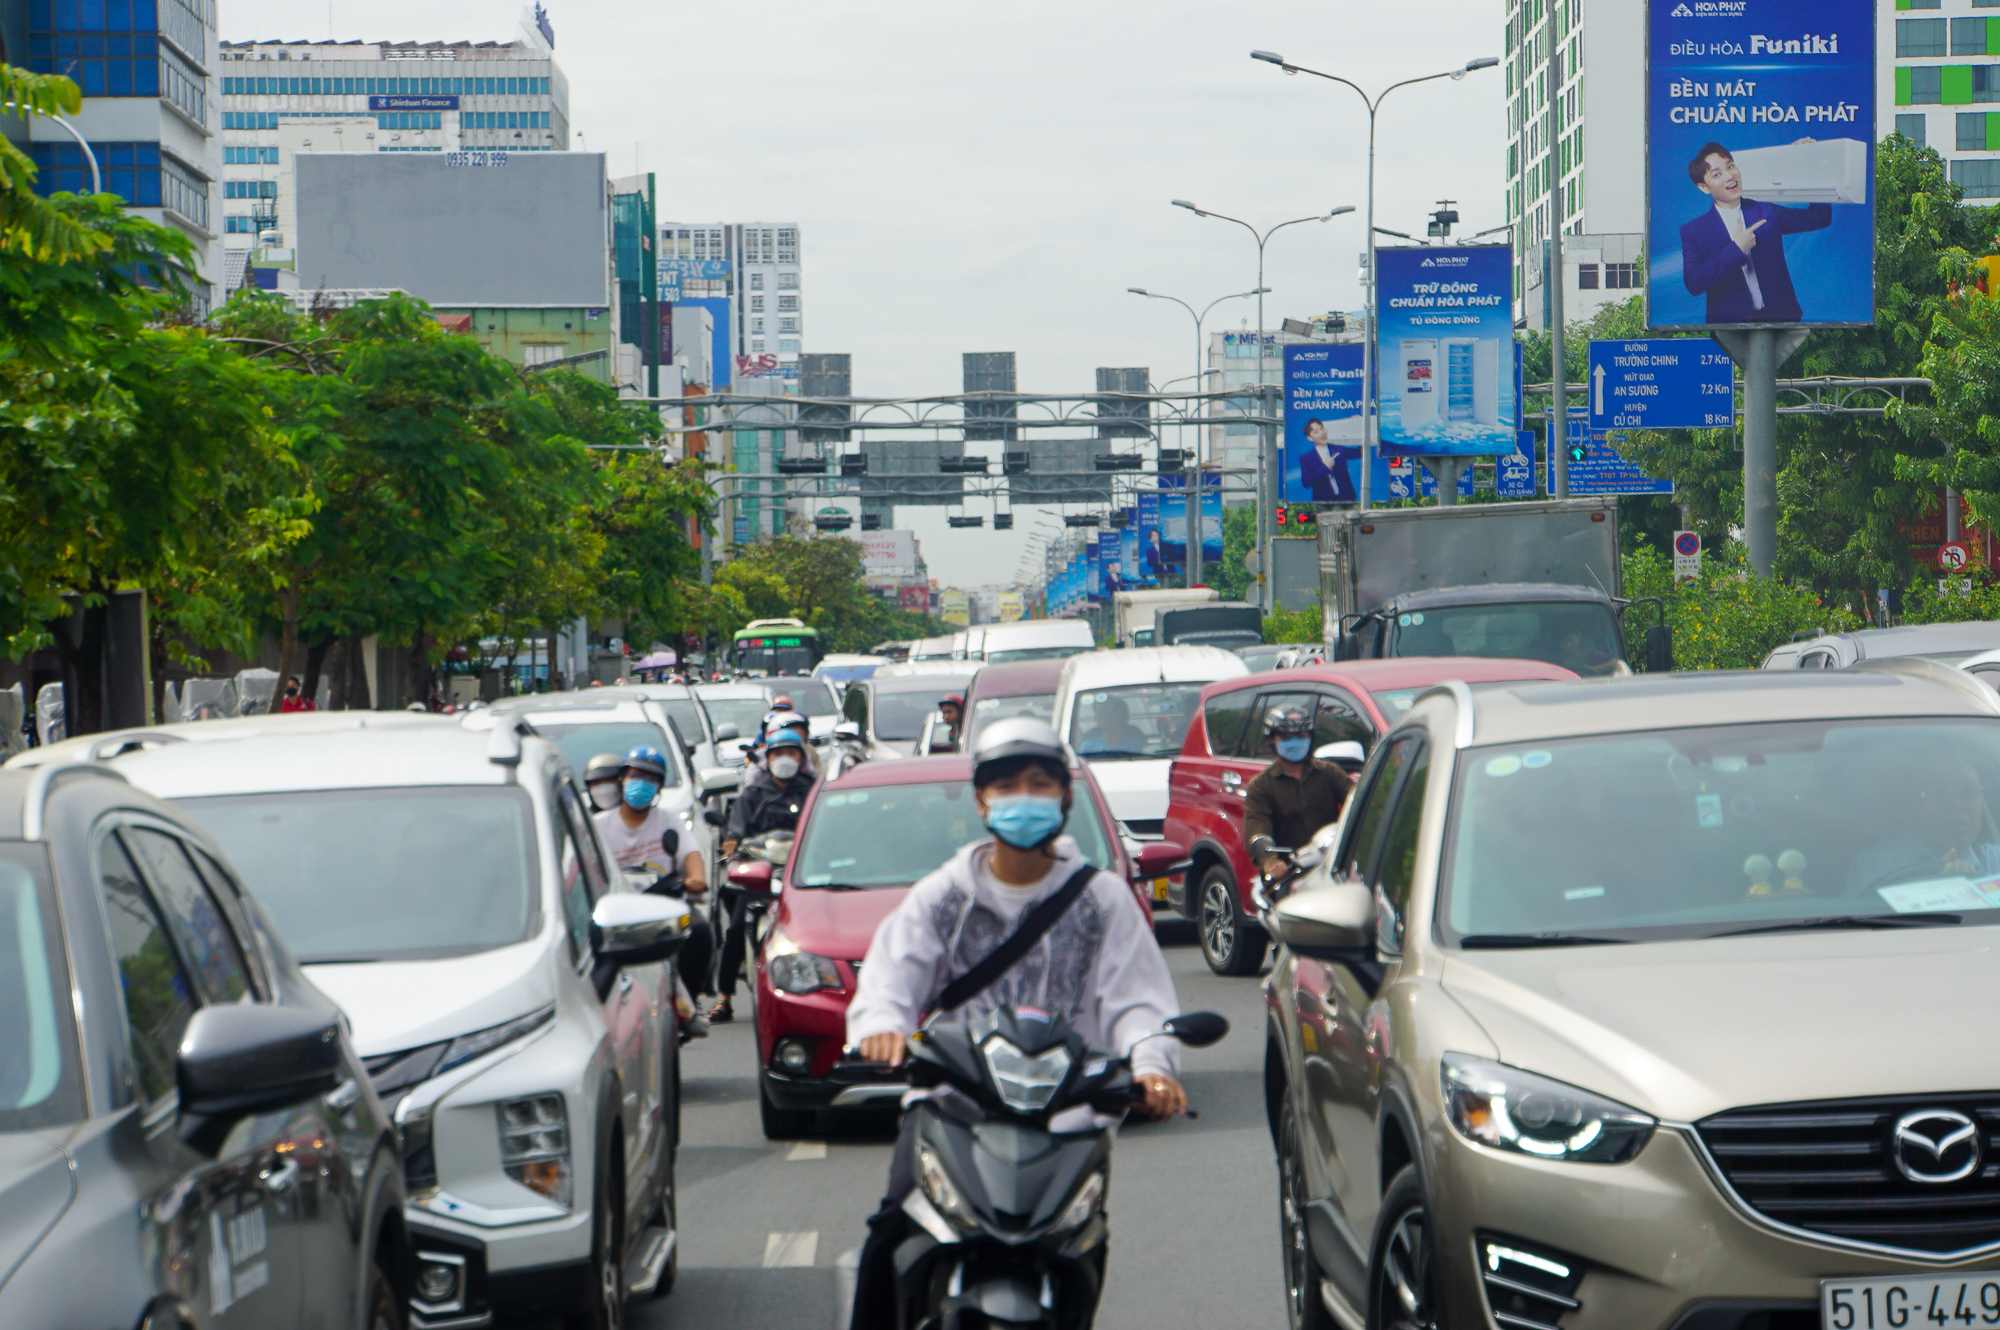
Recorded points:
(1558, 416)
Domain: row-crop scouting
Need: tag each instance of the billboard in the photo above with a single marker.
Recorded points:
(1011, 605)
(954, 609)
(1322, 424)
(1174, 521)
(720, 357)
(1444, 371)
(449, 228)
(886, 551)
(1152, 537)
(915, 597)
(1128, 550)
(1760, 162)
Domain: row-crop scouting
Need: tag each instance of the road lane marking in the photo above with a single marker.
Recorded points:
(788, 1249)
(807, 1150)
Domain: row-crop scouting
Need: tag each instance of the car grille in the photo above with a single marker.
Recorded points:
(1831, 1167)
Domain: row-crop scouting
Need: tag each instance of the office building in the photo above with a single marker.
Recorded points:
(1601, 53)
(755, 266)
(148, 76)
(280, 99)
(1937, 71)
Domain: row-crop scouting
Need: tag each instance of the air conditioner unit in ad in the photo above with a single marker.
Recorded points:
(1829, 171)
(1450, 379)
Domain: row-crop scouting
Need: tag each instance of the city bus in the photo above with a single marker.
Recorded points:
(775, 646)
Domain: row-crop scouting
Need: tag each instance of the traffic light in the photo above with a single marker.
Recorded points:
(1578, 452)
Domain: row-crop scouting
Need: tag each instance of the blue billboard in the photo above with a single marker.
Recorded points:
(1322, 424)
(1128, 550)
(1174, 520)
(1444, 354)
(1152, 538)
(1760, 121)
(719, 343)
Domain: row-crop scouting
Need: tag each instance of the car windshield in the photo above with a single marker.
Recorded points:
(686, 717)
(745, 713)
(1262, 657)
(580, 743)
(1133, 720)
(394, 874)
(38, 1058)
(1395, 702)
(892, 835)
(845, 673)
(986, 710)
(1705, 832)
(900, 715)
(810, 698)
(1034, 653)
(1578, 635)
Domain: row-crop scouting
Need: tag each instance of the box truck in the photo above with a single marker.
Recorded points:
(1132, 612)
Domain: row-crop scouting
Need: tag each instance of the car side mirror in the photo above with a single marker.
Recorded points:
(1659, 649)
(1347, 647)
(248, 1058)
(753, 877)
(848, 732)
(1328, 923)
(1198, 1029)
(727, 731)
(1349, 755)
(1159, 858)
(718, 780)
(631, 929)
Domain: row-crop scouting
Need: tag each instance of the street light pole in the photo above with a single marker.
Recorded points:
(1268, 475)
(96, 179)
(1194, 504)
(1371, 430)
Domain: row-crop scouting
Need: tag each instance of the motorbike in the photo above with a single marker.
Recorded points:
(1013, 1162)
(665, 877)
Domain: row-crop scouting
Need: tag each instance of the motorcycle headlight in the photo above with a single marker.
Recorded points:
(1025, 1084)
(1081, 1207)
(1511, 1109)
(940, 1189)
(795, 971)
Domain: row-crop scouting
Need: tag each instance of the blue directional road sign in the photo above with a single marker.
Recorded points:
(1660, 383)
(1596, 468)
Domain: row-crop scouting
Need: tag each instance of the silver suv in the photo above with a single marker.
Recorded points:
(1651, 1002)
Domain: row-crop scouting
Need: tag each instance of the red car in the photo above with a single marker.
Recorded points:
(1352, 703)
(865, 838)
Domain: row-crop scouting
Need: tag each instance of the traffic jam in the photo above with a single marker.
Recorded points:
(1579, 997)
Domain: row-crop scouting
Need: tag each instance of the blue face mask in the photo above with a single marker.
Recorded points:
(1025, 820)
(1293, 748)
(639, 794)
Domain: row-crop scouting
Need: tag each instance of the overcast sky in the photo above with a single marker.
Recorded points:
(992, 177)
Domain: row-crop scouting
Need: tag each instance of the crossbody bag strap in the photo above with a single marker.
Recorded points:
(1033, 928)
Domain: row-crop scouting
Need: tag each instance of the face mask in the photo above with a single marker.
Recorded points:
(1025, 820)
(784, 768)
(604, 795)
(639, 794)
(1294, 749)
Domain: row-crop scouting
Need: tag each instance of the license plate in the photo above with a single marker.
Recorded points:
(1898, 1303)
(1159, 888)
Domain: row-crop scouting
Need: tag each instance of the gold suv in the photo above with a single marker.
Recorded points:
(1661, 1002)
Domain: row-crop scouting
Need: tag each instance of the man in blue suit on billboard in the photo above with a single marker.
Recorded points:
(1734, 253)
(1323, 466)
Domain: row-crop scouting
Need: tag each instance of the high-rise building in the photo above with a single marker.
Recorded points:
(283, 98)
(756, 266)
(1937, 69)
(147, 72)
(1594, 151)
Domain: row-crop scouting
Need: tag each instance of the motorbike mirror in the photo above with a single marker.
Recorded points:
(670, 841)
(753, 876)
(727, 731)
(713, 816)
(1160, 858)
(1659, 649)
(1198, 1029)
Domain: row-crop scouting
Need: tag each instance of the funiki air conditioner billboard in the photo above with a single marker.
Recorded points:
(1446, 334)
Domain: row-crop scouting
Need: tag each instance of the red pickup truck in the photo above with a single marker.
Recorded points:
(1352, 703)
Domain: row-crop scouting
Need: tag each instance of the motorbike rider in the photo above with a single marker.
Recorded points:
(762, 806)
(1098, 966)
(1286, 803)
(602, 778)
(952, 707)
(633, 829)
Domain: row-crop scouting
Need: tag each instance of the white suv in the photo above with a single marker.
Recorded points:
(448, 889)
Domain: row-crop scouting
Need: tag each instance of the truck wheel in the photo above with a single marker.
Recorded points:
(1230, 942)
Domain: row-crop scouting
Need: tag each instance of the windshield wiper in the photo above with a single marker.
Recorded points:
(338, 960)
(831, 886)
(1934, 919)
(1520, 941)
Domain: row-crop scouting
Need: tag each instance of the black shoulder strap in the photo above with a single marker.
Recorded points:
(1001, 959)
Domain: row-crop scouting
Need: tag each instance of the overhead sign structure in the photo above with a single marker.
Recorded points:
(1323, 388)
(1595, 467)
(1760, 171)
(1661, 383)
(1446, 335)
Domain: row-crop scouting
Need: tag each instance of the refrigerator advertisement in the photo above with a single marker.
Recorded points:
(1760, 123)
(1444, 358)
(1322, 424)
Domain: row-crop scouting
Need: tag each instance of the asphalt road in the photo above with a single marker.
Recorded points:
(1193, 1204)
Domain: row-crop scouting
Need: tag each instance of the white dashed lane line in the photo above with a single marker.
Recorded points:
(789, 1249)
(806, 1150)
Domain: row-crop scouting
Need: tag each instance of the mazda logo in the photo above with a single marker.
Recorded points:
(1936, 1145)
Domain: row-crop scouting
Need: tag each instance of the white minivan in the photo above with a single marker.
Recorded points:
(1127, 712)
(1033, 639)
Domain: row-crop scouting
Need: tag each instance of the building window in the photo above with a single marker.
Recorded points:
(1620, 276)
(756, 344)
(1586, 278)
(110, 48)
(1911, 127)
(1926, 85)
(1971, 131)
(757, 326)
(788, 346)
(236, 226)
(788, 244)
(1933, 4)
(130, 170)
(1968, 36)
(250, 189)
(757, 284)
(541, 353)
(788, 302)
(788, 325)
(1985, 82)
(789, 281)
(249, 156)
(1920, 36)
(1979, 179)
(757, 307)
(183, 192)
(410, 120)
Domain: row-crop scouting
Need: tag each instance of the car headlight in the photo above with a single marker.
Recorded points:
(1511, 1109)
(940, 1189)
(795, 971)
(534, 1145)
(1025, 1084)
(1088, 1197)
(469, 1046)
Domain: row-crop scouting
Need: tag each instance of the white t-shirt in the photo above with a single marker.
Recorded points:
(1732, 219)
(632, 846)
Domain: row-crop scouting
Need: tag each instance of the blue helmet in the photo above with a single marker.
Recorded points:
(786, 738)
(647, 758)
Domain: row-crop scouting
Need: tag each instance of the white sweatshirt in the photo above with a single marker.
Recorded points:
(1099, 966)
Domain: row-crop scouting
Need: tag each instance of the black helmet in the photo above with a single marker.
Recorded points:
(605, 766)
(1287, 720)
(1017, 737)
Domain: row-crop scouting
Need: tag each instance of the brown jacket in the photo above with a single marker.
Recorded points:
(1291, 811)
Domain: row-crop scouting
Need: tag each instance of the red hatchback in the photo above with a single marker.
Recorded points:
(1352, 702)
(865, 838)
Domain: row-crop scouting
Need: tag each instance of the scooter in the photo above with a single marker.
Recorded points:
(1008, 1215)
(668, 879)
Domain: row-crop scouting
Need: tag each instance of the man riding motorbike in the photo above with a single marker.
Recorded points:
(763, 806)
(1097, 966)
(1286, 803)
(633, 829)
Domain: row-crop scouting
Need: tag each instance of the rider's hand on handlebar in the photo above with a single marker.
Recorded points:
(1275, 866)
(1164, 1097)
(884, 1048)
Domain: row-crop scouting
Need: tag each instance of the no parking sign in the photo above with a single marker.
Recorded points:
(1953, 556)
(1687, 556)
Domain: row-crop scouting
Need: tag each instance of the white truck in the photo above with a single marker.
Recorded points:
(1536, 580)
(1133, 612)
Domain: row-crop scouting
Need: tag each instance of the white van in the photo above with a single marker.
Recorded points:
(1127, 712)
(1032, 639)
